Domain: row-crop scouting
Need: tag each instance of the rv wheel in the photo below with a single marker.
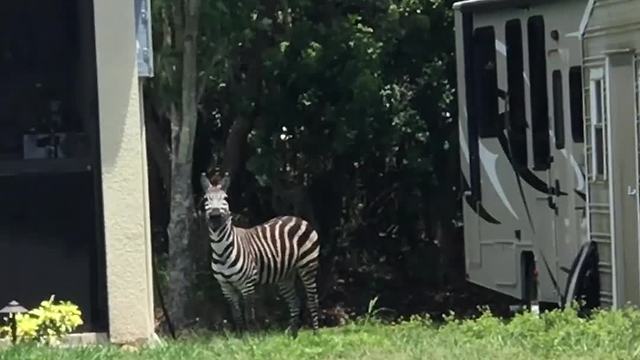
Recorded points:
(588, 289)
(584, 279)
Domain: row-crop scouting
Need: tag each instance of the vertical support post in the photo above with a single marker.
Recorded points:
(124, 175)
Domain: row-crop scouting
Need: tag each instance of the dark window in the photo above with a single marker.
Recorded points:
(558, 111)
(515, 79)
(598, 119)
(472, 123)
(485, 83)
(539, 101)
(599, 137)
(575, 104)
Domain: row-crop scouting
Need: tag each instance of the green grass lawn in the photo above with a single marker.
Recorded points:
(555, 335)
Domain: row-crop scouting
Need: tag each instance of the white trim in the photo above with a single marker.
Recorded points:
(614, 246)
(585, 158)
(459, 4)
(598, 74)
(585, 18)
(636, 81)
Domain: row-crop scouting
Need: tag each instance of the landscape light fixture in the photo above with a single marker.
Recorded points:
(12, 309)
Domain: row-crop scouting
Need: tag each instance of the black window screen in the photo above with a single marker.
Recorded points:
(539, 101)
(485, 84)
(575, 104)
(558, 111)
(515, 81)
(472, 123)
(599, 150)
(598, 119)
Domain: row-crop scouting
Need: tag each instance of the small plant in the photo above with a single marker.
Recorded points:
(47, 323)
(371, 316)
(371, 310)
(374, 313)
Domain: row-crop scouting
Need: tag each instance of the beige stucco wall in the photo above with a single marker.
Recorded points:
(124, 174)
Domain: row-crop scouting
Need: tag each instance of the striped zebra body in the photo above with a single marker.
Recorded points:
(275, 252)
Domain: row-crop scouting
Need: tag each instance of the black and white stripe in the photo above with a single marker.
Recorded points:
(275, 252)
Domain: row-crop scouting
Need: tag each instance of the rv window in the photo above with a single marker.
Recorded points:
(558, 111)
(472, 123)
(515, 81)
(597, 91)
(599, 156)
(598, 124)
(539, 101)
(575, 104)
(485, 83)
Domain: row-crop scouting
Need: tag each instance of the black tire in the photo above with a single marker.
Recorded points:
(588, 286)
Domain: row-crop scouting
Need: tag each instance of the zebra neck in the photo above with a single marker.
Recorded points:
(223, 234)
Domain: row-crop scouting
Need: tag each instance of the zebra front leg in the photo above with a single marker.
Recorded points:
(288, 292)
(233, 298)
(249, 309)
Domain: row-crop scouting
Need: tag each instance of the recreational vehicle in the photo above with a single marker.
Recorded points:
(548, 114)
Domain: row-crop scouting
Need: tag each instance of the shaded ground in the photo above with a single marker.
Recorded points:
(397, 298)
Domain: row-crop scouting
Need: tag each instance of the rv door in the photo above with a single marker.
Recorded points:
(623, 173)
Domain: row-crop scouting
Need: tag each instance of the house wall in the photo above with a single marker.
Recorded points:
(124, 174)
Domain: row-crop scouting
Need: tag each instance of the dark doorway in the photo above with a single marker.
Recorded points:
(51, 227)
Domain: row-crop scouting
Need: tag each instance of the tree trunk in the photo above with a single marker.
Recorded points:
(182, 209)
(445, 210)
(180, 266)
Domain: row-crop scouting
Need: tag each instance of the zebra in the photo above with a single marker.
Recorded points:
(275, 252)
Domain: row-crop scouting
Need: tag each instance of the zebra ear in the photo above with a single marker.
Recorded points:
(204, 182)
(224, 183)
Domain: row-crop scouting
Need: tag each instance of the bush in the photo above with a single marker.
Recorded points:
(45, 324)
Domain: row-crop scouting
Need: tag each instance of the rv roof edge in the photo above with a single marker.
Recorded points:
(475, 4)
(470, 3)
(585, 18)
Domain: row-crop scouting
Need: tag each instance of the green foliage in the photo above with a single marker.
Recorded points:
(47, 323)
(372, 314)
(351, 100)
(560, 334)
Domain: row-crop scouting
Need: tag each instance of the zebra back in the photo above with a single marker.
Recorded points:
(280, 246)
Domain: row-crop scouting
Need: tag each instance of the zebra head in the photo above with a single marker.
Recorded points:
(216, 207)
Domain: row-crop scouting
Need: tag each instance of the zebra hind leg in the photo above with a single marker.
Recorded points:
(288, 292)
(308, 277)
